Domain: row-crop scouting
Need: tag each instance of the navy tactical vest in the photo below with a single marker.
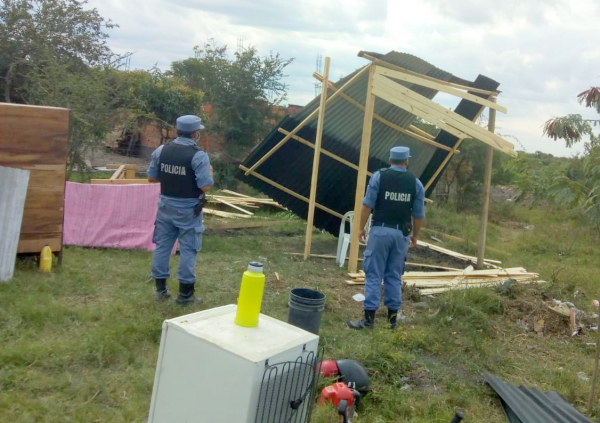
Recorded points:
(395, 199)
(175, 172)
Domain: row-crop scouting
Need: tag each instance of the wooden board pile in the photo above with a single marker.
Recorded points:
(438, 282)
(238, 202)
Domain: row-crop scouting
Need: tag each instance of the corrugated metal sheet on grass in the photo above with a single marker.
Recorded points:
(524, 405)
(291, 165)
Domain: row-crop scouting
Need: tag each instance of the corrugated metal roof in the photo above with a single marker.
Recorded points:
(524, 405)
(291, 165)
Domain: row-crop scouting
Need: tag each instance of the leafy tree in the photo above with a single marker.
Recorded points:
(155, 97)
(571, 128)
(32, 31)
(243, 91)
(567, 183)
(579, 188)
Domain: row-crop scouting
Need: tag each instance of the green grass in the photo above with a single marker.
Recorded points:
(80, 344)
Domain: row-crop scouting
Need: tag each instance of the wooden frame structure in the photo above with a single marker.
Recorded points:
(385, 82)
(123, 175)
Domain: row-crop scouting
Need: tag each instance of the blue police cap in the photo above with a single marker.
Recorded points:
(189, 123)
(400, 153)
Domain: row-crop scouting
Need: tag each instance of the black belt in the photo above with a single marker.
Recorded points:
(388, 225)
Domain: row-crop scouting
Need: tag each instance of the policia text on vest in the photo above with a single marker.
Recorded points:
(172, 169)
(394, 202)
(398, 196)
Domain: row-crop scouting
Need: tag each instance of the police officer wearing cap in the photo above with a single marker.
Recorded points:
(185, 174)
(395, 196)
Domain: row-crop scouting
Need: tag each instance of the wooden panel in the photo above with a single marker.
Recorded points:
(42, 220)
(30, 130)
(35, 138)
(36, 245)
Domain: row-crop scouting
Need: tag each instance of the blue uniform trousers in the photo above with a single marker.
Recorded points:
(385, 258)
(174, 223)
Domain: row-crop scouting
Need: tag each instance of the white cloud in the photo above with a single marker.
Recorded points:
(542, 53)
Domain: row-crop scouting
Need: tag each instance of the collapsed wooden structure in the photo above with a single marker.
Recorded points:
(378, 102)
(35, 138)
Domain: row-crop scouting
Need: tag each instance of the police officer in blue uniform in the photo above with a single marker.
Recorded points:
(185, 174)
(395, 196)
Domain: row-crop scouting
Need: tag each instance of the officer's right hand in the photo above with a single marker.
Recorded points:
(362, 236)
(413, 242)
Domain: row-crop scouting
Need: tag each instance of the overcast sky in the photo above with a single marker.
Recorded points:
(543, 52)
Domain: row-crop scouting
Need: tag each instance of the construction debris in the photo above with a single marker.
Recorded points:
(241, 202)
(437, 282)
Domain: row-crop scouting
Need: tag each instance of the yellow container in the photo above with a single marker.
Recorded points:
(46, 259)
(250, 297)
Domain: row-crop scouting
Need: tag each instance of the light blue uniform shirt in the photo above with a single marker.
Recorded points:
(370, 199)
(200, 164)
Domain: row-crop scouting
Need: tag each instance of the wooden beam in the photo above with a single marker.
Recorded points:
(306, 120)
(117, 173)
(417, 80)
(411, 134)
(421, 132)
(316, 160)
(450, 155)
(361, 179)
(399, 101)
(119, 181)
(433, 112)
(116, 166)
(388, 65)
(290, 192)
(325, 152)
(220, 200)
(487, 182)
(130, 172)
(450, 117)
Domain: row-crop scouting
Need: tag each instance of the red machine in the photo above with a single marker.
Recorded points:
(344, 399)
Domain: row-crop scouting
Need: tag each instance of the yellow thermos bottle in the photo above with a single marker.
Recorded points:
(46, 259)
(250, 297)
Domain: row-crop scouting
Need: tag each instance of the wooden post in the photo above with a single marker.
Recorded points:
(487, 182)
(316, 156)
(361, 180)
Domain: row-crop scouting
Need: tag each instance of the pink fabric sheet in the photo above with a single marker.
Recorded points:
(110, 216)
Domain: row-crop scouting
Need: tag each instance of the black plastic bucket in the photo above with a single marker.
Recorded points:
(306, 309)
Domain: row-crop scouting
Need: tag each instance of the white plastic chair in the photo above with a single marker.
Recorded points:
(345, 237)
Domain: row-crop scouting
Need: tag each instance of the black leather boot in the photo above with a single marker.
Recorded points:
(161, 290)
(393, 318)
(366, 322)
(186, 294)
